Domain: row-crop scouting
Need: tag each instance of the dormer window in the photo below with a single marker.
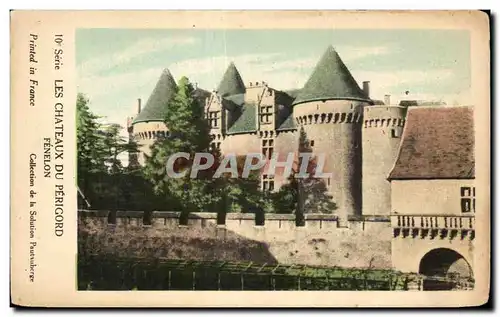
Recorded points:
(266, 113)
(213, 119)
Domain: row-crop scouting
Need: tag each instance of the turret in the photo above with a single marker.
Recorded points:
(149, 124)
(382, 130)
(231, 83)
(330, 108)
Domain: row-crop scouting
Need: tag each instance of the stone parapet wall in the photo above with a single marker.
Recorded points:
(364, 242)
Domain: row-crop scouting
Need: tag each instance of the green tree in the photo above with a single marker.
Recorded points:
(115, 144)
(313, 196)
(189, 133)
(91, 153)
(101, 178)
(303, 195)
(286, 200)
(240, 194)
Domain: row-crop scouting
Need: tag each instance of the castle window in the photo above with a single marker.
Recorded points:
(265, 119)
(213, 119)
(267, 148)
(468, 199)
(267, 184)
(266, 114)
(311, 143)
(395, 133)
(267, 152)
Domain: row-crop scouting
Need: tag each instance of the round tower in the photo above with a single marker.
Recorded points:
(149, 124)
(382, 129)
(330, 109)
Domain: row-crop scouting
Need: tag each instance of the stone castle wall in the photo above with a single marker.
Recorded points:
(365, 242)
(335, 128)
(382, 130)
(145, 134)
(241, 144)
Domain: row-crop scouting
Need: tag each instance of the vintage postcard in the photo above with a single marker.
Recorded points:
(268, 159)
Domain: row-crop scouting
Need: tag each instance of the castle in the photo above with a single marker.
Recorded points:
(402, 176)
(359, 136)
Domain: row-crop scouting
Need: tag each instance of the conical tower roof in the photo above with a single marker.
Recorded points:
(330, 80)
(156, 106)
(231, 83)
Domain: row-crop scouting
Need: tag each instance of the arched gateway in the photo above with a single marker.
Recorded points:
(443, 262)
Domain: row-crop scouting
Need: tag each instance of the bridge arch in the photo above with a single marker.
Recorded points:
(441, 262)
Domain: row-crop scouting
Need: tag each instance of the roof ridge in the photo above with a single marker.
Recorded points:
(438, 107)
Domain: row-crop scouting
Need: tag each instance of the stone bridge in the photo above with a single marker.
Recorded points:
(433, 245)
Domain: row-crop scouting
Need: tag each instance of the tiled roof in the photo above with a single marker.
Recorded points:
(231, 83)
(330, 80)
(437, 143)
(201, 95)
(288, 124)
(293, 93)
(246, 122)
(413, 103)
(238, 99)
(155, 108)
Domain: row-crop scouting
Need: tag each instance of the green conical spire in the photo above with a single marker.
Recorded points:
(330, 80)
(231, 83)
(155, 108)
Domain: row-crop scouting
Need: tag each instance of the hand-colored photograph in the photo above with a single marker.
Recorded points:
(294, 159)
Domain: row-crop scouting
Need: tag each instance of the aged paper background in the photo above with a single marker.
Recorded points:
(55, 283)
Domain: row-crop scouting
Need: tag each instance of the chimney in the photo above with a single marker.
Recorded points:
(139, 105)
(387, 100)
(366, 88)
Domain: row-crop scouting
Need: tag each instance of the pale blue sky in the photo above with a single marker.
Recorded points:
(117, 66)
